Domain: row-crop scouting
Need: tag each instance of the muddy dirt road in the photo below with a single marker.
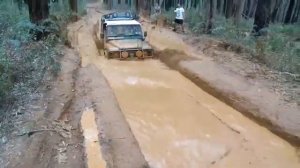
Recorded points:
(176, 123)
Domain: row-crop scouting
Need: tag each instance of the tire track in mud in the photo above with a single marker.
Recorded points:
(184, 57)
(109, 127)
(174, 58)
(119, 146)
(60, 148)
(117, 72)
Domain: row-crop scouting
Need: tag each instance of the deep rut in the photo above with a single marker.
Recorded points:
(172, 119)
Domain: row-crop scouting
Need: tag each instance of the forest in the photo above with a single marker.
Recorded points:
(270, 29)
(262, 11)
(31, 33)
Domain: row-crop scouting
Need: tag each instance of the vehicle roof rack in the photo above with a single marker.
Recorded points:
(127, 15)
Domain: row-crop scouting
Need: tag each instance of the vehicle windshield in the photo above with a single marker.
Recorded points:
(124, 31)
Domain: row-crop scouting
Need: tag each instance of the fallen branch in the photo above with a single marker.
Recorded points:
(145, 21)
(29, 133)
(221, 157)
(81, 26)
(98, 11)
(227, 125)
(223, 122)
(290, 74)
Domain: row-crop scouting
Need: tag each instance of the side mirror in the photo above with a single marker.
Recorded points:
(101, 35)
(145, 34)
(137, 17)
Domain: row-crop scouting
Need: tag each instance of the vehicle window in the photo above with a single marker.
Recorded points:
(133, 31)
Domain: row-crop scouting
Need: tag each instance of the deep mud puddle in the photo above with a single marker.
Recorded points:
(91, 141)
(179, 125)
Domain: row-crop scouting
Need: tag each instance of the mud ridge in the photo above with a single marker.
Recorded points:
(72, 94)
(54, 149)
(119, 146)
(172, 59)
(68, 149)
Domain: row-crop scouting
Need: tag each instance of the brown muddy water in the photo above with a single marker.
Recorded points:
(179, 125)
(91, 141)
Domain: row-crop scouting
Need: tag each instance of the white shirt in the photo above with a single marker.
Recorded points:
(179, 13)
(157, 8)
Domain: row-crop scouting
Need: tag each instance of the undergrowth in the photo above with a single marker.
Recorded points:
(280, 49)
(25, 61)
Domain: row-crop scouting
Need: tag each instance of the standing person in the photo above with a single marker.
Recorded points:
(157, 12)
(157, 8)
(179, 17)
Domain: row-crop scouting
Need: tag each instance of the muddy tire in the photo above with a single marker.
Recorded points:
(106, 55)
(96, 35)
(99, 43)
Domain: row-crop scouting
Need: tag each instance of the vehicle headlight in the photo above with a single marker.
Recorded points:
(124, 54)
(139, 54)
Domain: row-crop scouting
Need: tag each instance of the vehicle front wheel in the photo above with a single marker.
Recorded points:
(106, 54)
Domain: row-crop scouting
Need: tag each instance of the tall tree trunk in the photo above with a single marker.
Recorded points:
(277, 4)
(210, 13)
(38, 10)
(285, 10)
(229, 8)
(19, 4)
(239, 11)
(251, 8)
(215, 7)
(137, 6)
(262, 15)
(281, 10)
(110, 4)
(220, 6)
(289, 12)
(73, 5)
(296, 13)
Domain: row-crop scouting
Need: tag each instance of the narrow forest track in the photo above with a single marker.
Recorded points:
(175, 123)
(137, 114)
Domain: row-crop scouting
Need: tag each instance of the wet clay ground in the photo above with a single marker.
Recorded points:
(91, 141)
(248, 86)
(176, 123)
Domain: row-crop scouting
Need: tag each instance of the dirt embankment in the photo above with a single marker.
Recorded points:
(253, 97)
(53, 137)
(119, 146)
(229, 93)
(47, 138)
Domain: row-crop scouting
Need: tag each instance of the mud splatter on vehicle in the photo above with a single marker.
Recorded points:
(122, 37)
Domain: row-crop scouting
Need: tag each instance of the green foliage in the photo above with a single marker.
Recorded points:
(169, 16)
(226, 30)
(280, 49)
(82, 7)
(8, 21)
(23, 60)
(196, 21)
(61, 10)
(5, 76)
(193, 18)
